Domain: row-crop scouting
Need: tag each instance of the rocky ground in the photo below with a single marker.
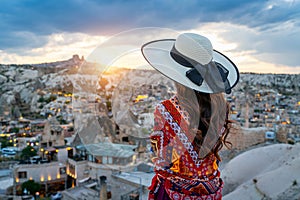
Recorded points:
(268, 172)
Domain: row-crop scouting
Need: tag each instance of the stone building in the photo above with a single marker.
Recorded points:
(52, 176)
(242, 138)
(101, 159)
(53, 134)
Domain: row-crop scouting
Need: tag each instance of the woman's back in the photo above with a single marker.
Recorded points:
(177, 161)
(190, 128)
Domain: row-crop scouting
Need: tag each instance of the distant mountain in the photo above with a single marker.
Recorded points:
(23, 85)
(75, 60)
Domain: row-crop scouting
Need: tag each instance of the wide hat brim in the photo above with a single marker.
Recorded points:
(157, 54)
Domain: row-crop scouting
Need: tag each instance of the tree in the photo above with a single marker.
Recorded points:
(41, 99)
(108, 105)
(28, 152)
(5, 142)
(15, 130)
(31, 186)
(51, 98)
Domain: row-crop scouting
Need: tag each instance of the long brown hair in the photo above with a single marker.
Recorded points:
(208, 116)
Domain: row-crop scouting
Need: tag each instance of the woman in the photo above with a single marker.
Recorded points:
(191, 127)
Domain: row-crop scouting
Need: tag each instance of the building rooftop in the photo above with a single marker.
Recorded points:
(109, 149)
(81, 192)
(138, 178)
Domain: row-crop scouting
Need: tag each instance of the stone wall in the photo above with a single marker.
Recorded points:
(242, 138)
(282, 134)
(7, 164)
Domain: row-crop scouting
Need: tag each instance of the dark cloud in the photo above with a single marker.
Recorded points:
(106, 17)
(278, 44)
(10, 41)
(268, 15)
(25, 24)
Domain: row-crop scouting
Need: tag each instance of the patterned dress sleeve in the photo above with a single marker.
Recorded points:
(156, 136)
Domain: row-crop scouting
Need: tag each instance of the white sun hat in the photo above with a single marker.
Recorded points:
(191, 61)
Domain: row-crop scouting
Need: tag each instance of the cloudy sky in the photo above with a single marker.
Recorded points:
(259, 36)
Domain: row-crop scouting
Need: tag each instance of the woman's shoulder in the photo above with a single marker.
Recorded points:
(172, 100)
(167, 102)
(172, 105)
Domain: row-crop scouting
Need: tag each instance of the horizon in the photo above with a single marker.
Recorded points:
(138, 68)
(260, 37)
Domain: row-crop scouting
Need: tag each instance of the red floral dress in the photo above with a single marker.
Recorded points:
(179, 173)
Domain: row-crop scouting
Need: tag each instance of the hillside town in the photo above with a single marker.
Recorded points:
(71, 132)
